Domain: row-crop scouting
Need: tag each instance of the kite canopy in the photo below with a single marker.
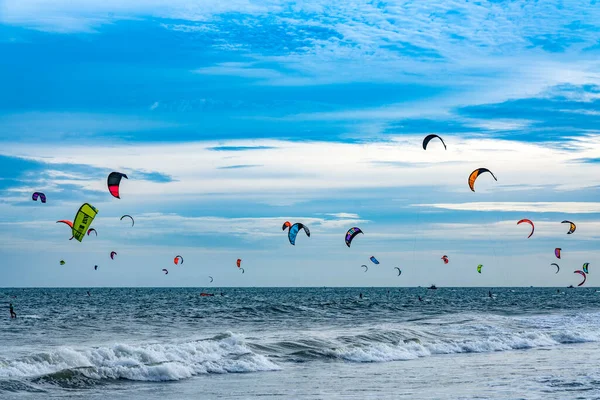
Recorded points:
(572, 226)
(83, 220)
(92, 230)
(62, 262)
(242, 269)
(479, 268)
(365, 267)
(166, 271)
(475, 174)
(557, 267)
(95, 267)
(211, 279)
(530, 223)
(239, 262)
(130, 217)
(373, 260)
(39, 195)
(585, 267)
(352, 232)
(113, 181)
(293, 232)
(399, 271)
(428, 139)
(286, 225)
(582, 274)
(178, 259)
(65, 221)
(446, 260)
(557, 252)
(112, 255)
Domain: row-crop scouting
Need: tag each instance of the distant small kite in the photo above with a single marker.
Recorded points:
(39, 195)
(572, 226)
(475, 174)
(428, 139)
(352, 232)
(530, 223)
(113, 181)
(374, 260)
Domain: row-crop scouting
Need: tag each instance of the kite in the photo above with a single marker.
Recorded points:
(242, 269)
(365, 267)
(113, 181)
(92, 230)
(62, 262)
(428, 139)
(112, 255)
(166, 271)
(352, 232)
(83, 220)
(557, 267)
(582, 274)
(211, 279)
(39, 195)
(585, 267)
(479, 268)
(475, 174)
(129, 216)
(177, 258)
(64, 221)
(446, 260)
(374, 260)
(286, 225)
(530, 223)
(95, 267)
(293, 232)
(572, 226)
(399, 271)
(557, 252)
(239, 262)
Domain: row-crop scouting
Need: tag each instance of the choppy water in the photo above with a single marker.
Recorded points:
(301, 343)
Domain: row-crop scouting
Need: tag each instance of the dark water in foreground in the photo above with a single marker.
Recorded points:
(301, 343)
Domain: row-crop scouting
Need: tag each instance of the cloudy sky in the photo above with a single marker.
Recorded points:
(231, 117)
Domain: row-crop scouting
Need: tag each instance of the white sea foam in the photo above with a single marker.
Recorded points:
(148, 362)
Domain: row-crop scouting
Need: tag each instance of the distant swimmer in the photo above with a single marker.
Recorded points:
(12, 311)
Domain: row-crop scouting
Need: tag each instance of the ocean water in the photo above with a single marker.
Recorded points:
(304, 343)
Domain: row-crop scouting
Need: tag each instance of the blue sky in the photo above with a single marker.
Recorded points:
(232, 117)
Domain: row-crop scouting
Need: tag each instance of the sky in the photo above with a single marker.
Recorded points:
(230, 118)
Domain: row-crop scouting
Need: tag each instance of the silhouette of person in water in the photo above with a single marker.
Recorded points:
(490, 294)
(88, 292)
(12, 312)
(420, 299)
(360, 295)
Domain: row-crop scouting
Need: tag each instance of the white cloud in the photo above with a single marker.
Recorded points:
(297, 171)
(536, 207)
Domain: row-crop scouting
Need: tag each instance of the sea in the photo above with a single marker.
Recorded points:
(300, 343)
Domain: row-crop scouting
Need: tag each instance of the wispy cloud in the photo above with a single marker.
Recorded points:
(535, 207)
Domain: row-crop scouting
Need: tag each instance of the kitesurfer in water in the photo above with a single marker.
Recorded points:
(490, 294)
(12, 311)
(88, 292)
(420, 299)
(360, 295)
